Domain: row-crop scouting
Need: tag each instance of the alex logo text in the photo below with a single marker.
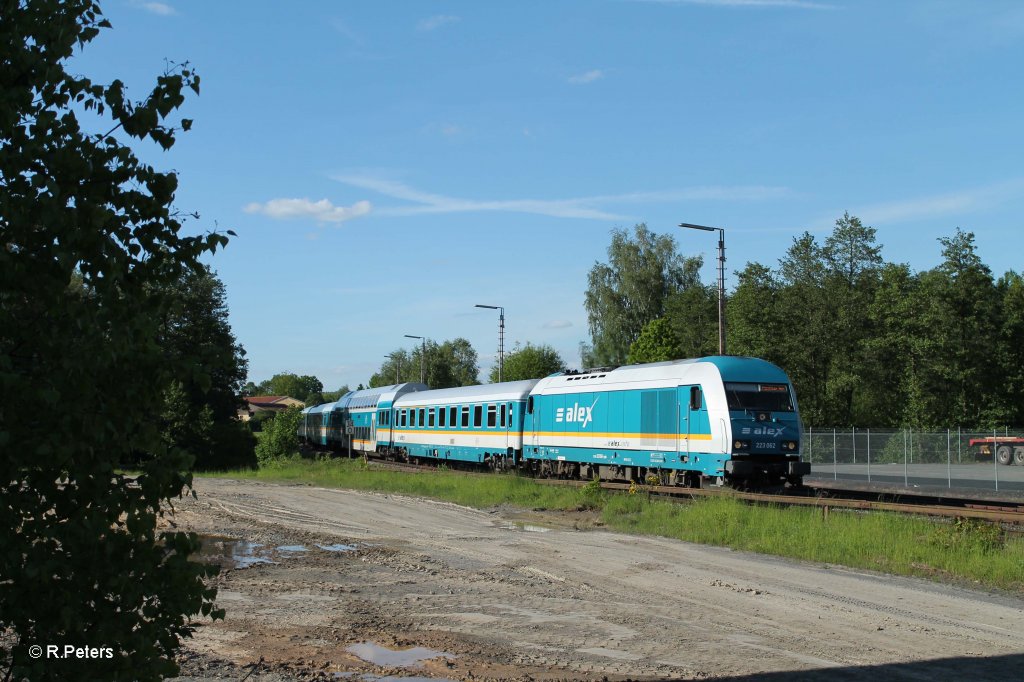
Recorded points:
(576, 414)
(761, 431)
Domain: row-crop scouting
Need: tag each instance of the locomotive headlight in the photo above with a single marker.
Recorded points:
(790, 445)
(740, 445)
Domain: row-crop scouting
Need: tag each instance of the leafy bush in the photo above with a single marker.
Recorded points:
(280, 438)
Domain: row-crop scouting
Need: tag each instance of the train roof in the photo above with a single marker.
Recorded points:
(729, 368)
(370, 397)
(508, 390)
(316, 409)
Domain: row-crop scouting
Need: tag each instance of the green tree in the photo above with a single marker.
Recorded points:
(631, 289)
(657, 342)
(203, 403)
(397, 369)
(90, 247)
(752, 313)
(529, 362)
(1011, 343)
(446, 365)
(893, 355)
(291, 385)
(966, 310)
(694, 316)
(331, 396)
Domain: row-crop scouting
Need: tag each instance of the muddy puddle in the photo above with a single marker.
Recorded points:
(524, 527)
(393, 658)
(235, 553)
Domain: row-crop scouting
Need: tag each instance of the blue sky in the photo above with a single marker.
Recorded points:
(387, 165)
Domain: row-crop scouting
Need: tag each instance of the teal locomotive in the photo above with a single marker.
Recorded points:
(712, 420)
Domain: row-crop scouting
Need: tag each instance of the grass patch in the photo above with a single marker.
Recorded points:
(959, 551)
(962, 551)
(451, 486)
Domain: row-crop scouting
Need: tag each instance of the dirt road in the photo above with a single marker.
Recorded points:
(495, 595)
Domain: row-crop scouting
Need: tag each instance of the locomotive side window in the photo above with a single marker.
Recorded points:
(695, 399)
(529, 405)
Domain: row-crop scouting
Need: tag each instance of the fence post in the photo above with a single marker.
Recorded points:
(949, 474)
(995, 462)
(835, 457)
(959, 443)
(853, 444)
(810, 444)
(905, 484)
(869, 455)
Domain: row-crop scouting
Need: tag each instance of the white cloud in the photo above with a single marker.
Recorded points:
(588, 77)
(322, 211)
(160, 8)
(557, 324)
(936, 205)
(592, 208)
(435, 22)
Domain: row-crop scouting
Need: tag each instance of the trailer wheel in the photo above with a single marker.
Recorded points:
(1003, 455)
(1018, 455)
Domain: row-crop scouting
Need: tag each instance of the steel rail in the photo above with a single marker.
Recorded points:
(824, 498)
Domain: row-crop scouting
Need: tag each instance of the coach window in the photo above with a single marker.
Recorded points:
(492, 416)
(465, 416)
(478, 414)
(502, 411)
(420, 421)
(452, 417)
(430, 417)
(442, 412)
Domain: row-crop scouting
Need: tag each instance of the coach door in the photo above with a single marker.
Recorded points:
(691, 411)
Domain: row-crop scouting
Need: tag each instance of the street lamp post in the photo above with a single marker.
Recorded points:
(501, 336)
(721, 280)
(423, 353)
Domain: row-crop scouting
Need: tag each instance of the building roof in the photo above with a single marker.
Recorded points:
(272, 401)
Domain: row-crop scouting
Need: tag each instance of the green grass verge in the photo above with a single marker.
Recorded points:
(962, 551)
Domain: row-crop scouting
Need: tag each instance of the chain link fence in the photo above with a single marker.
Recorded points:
(978, 460)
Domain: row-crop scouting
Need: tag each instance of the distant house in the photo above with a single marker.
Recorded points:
(267, 403)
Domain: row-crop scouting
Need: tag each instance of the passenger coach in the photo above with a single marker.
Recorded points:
(479, 424)
(367, 414)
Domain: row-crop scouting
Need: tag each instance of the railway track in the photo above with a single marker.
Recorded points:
(1006, 512)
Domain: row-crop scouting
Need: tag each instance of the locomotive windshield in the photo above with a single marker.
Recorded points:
(758, 397)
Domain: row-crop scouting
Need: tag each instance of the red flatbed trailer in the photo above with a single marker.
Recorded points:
(1008, 449)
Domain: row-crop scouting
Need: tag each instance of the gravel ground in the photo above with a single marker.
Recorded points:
(430, 590)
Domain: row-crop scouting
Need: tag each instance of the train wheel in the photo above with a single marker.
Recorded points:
(1018, 455)
(1003, 455)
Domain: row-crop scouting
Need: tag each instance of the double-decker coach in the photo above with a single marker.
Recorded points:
(682, 422)
(478, 424)
(316, 424)
(367, 413)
